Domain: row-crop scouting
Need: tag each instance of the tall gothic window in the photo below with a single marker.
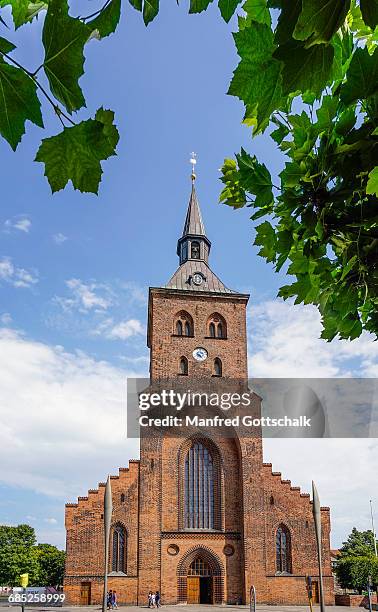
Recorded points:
(195, 250)
(119, 549)
(201, 488)
(283, 550)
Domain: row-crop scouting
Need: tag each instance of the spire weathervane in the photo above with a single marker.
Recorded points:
(193, 161)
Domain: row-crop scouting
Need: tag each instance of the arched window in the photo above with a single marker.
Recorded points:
(119, 549)
(283, 550)
(184, 366)
(216, 326)
(195, 250)
(199, 567)
(183, 324)
(217, 367)
(201, 488)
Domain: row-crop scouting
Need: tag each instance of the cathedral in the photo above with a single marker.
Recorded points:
(200, 518)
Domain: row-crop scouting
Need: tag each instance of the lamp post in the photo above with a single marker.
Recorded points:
(373, 529)
(318, 531)
(108, 510)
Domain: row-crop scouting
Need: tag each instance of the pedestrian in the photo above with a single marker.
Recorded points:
(153, 600)
(157, 599)
(114, 601)
(149, 599)
(109, 599)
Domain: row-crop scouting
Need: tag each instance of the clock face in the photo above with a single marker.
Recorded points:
(200, 354)
(197, 278)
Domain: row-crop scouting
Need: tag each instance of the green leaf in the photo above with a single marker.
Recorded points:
(290, 12)
(76, 153)
(6, 46)
(372, 184)
(150, 10)
(369, 10)
(63, 39)
(257, 79)
(305, 69)
(326, 113)
(320, 19)
(227, 8)
(255, 178)
(106, 22)
(137, 4)
(362, 76)
(266, 238)
(197, 6)
(291, 174)
(23, 11)
(346, 121)
(18, 102)
(257, 10)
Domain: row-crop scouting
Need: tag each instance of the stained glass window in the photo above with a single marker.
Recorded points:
(283, 550)
(201, 487)
(119, 549)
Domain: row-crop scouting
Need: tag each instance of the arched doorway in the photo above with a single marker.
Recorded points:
(200, 577)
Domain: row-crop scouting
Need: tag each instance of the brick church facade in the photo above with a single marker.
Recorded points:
(200, 518)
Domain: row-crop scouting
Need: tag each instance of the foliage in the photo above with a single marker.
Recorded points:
(358, 544)
(353, 572)
(19, 554)
(313, 78)
(84, 144)
(51, 565)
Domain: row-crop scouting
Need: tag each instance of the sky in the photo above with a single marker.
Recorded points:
(75, 271)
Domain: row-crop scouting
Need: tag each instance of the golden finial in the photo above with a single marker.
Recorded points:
(193, 161)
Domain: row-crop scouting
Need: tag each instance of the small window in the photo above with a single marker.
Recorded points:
(179, 328)
(220, 330)
(195, 250)
(271, 500)
(187, 329)
(212, 330)
(217, 367)
(122, 497)
(184, 366)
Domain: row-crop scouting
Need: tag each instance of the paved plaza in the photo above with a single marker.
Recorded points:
(191, 608)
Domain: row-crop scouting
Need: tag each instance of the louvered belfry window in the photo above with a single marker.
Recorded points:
(201, 489)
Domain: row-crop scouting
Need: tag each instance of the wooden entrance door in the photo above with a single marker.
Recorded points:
(85, 594)
(193, 590)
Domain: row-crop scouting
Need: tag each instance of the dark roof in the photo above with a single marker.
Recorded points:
(193, 225)
(211, 283)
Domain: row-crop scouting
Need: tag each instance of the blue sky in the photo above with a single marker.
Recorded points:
(74, 273)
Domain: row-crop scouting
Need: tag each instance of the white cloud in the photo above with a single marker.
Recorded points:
(63, 428)
(6, 318)
(285, 342)
(22, 223)
(119, 331)
(17, 277)
(59, 238)
(85, 296)
(51, 521)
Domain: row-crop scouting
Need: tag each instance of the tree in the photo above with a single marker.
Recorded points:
(74, 154)
(311, 72)
(353, 572)
(51, 565)
(358, 544)
(17, 555)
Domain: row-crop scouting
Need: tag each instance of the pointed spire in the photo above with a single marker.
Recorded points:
(193, 225)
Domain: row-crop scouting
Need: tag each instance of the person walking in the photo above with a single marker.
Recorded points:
(114, 601)
(153, 600)
(149, 599)
(109, 599)
(157, 599)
